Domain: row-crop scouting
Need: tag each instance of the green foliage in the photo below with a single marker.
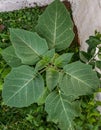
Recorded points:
(10, 56)
(90, 119)
(25, 90)
(56, 26)
(90, 116)
(4, 69)
(44, 76)
(62, 108)
(24, 19)
(31, 47)
(18, 19)
(34, 116)
(92, 56)
(28, 118)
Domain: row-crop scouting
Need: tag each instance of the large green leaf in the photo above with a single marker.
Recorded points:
(79, 79)
(56, 26)
(22, 87)
(29, 47)
(61, 110)
(63, 59)
(10, 57)
(52, 77)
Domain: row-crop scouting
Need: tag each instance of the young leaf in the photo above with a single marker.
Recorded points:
(10, 57)
(98, 64)
(79, 79)
(56, 26)
(45, 60)
(61, 110)
(92, 39)
(85, 57)
(22, 87)
(29, 47)
(52, 76)
(63, 60)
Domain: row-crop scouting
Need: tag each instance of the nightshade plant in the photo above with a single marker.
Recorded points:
(41, 73)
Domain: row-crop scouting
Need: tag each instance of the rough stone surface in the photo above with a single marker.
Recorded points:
(10, 5)
(87, 17)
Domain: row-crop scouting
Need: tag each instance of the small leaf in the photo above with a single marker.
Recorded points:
(10, 57)
(52, 76)
(56, 26)
(22, 87)
(5, 72)
(63, 60)
(61, 110)
(49, 54)
(85, 57)
(29, 47)
(92, 39)
(98, 64)
(45, 60)
(79, 79)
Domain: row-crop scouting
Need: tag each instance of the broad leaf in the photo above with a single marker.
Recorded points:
(61, 110)
(29, 47)
(46, 59)
(22, 87)
(52, 76)
(79, 79)
(56, 26)
(10, 57)
(63, 60)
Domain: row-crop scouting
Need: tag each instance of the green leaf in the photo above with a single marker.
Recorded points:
(79, 79)
(63, 59)
(49, 54)
(85, 57)
(45, 60)
(10, 57)
(29, 47)
(61, 110)
(22, 87)
(43, 97)
(52, 77)
(56, 26)
(98, 64)
(93, 41)
(5, 72)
